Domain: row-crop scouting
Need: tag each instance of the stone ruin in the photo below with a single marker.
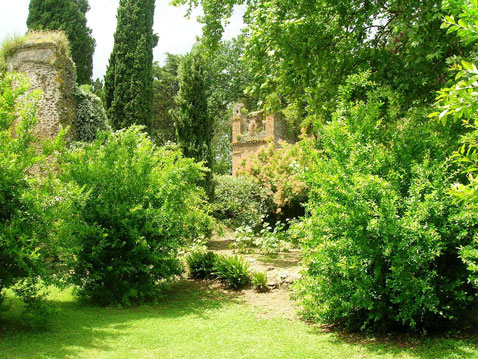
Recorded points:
(45, 60)
(252, 132)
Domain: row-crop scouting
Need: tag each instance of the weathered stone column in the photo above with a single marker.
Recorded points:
(44, 58)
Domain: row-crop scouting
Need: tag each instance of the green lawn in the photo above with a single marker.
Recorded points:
(196, 322)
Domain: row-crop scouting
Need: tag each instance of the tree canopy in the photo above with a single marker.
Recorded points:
(303, 50)
(194, 125)
(129, 77)
(69, 16)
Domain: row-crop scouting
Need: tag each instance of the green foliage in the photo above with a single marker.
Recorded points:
(279, 170)
(27, 221)
(138, 205)
(382, 250)
(239, 201)
(272, 240)
(194, 125)
(458, 103)
(90, 115)
(201, 264)
(166, 87)
(70, 17)
(259, 281)
(232, 271)
(230, 78)
(302, 51)
(244, 239)
(129, 77)
(98, 88)
(266, 240)
(37, 312)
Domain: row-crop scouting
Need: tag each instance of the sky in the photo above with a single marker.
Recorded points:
(176, 33)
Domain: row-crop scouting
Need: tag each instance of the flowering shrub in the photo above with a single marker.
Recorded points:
(280, 171)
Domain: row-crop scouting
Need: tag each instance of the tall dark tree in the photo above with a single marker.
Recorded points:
(69, 16)
(194, 125)
(129, 78)
(166, 87)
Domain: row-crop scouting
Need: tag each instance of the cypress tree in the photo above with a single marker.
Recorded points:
(69, 16)
(129, 78)
(194, 125)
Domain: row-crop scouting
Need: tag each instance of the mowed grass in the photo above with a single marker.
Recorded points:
(196, 322)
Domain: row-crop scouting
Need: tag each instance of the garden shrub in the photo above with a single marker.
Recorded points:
(457, 104)
(201, 264)
(280, 171)
(259, 281)
(26, 205)
(265, 239)
(244, 239)
(233, 271)
(239, 201)
(135, 213)
(90, 115)
(382, 250)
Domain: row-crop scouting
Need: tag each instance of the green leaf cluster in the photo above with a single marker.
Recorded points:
(239, 201)
(302, 51)
(29, 209)
(193, 123)
(383, 238)
(231, 271)
(137, 209)
(166, 87)
(129, 77)
(458, 104)
(90, 115)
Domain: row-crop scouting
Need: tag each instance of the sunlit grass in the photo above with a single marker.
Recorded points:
(194, 321)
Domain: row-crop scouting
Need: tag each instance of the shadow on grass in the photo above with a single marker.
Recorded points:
(99, 331)
(407, 345)
(220, 245)
(77, 326)
(284, 260)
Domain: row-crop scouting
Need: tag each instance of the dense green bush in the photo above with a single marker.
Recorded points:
(382, 248)
(138, 207)
(90, 115)
(201, 264)
(457, 103)
(239, 201)
(26, 204)
(232, 271)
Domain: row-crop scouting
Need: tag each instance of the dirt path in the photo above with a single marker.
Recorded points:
(282, 270)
